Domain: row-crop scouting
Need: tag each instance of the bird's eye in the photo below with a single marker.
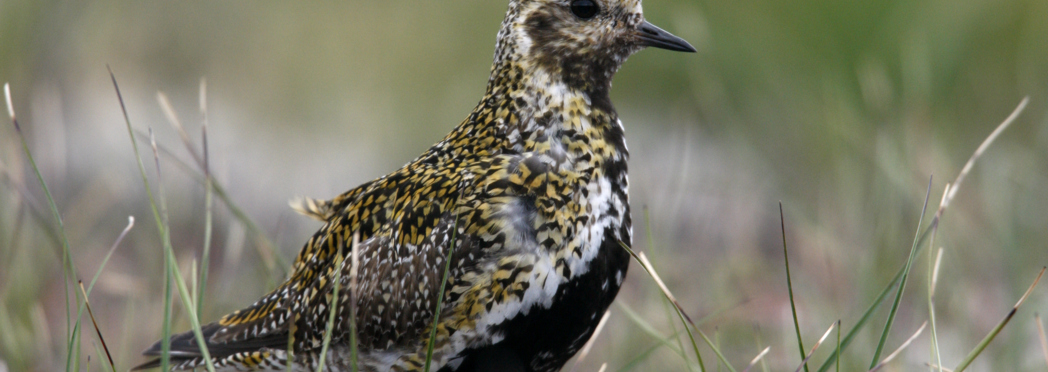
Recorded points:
(584, 9)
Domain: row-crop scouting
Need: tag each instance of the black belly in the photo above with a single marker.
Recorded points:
(544, 339)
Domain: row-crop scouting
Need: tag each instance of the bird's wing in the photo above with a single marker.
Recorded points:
(399, 219)
(406, 222)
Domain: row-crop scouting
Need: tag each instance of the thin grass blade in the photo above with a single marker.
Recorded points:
(354, 265)
(589, 343)
(902, 283)
(927, 232)
(1044, 340)
(997, 329)
(680, 312)
(666, 306)
(98, 331)
(838, 350)
(642, 356)
(332, 306)
(205, 259)
(895, 353)
(276, 265)
(440, 295)
(789, 286)
(68, 268)
(172, 264)
(757, 359)
(804, 362)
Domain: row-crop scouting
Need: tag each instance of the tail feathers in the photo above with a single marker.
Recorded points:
(185, 351)
(324, 210)
(320, 210)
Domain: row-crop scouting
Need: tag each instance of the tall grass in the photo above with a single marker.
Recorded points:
(900, 280)
(717, 101)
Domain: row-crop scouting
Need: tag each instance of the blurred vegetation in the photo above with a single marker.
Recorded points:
(840, 109)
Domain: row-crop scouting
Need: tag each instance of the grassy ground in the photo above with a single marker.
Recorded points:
(840, 110)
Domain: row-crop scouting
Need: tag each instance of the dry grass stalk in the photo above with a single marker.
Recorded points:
(98, 331)
(935, 270)
(896, 353)
(997, 329)
(662, 286)
(757, 359)
(354, 265)
(10, 107)
(593, 338)
(172, 118)
(1044, 340)
(978, 152)
(938, 367)
(817, 344)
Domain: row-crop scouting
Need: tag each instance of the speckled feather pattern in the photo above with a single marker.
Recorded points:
(535, 182)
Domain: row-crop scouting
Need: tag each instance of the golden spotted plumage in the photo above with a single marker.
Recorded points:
(532, 189)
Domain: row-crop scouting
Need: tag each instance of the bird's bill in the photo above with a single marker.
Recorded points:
(653, 36)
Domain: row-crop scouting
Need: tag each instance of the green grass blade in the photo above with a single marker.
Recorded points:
(98, 331)
(187, 303)
(440, 295)
(73, 357)
(838, 345)
(898, 351)
(165, 325)
(789, 286)
(276, 265)
(98, 353)
(138, 155)
(91, 286)
(680, 313)
(165, 328)
(861, 322)
(666, 305)
(643, 324)
(716, 350)
(644, 355)
(109, 254)
(205, 259)
(997, 329)
(902, 283)
(68, 268)
(933, 271)
(927, 231)
(332, 307)
(172, 264)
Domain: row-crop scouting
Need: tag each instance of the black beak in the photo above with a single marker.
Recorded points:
(652, 36)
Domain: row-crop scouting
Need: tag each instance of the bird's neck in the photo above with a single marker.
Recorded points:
(532, 110)
(527, 111)
(512, 73)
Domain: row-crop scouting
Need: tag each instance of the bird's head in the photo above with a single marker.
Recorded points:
(579, 42)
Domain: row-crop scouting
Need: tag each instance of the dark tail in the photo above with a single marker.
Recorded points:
(185, 351)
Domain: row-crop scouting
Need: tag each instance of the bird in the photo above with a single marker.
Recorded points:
(513, 224)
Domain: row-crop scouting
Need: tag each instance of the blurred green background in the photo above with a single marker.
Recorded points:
(839, 109)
